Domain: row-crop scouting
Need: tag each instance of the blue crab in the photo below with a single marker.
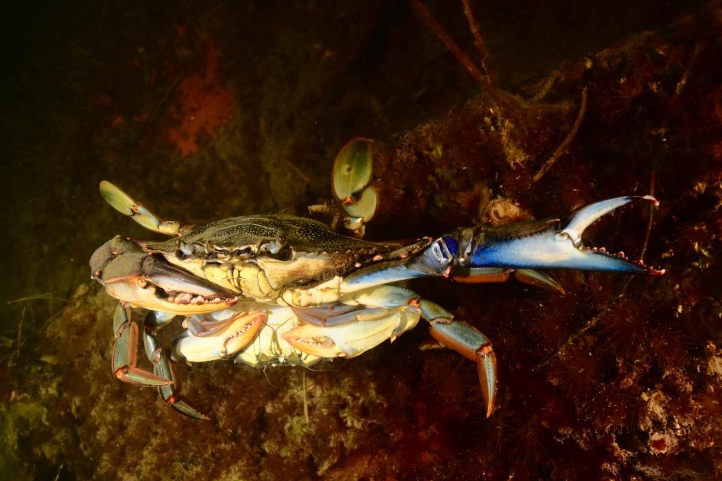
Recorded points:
(281, 289)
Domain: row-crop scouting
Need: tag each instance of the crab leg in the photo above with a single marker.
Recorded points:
(467, 341)
(125, 351)
(482, 275)
(126, 205)
(362, 320)
(125, 358)
(201, 344)
(386, 312)
(163, 369)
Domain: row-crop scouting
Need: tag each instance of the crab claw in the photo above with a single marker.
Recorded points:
(350, 336)
(582, 218)
(544, 244)
(224, 338)
(134, 276)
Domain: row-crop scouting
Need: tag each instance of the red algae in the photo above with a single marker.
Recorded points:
(204, 105)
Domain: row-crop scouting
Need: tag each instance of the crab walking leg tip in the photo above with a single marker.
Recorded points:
(538, 279)
(126, 205)
(118, 199)
(168, 392)
(184, 408)
(652, 199)
(133, 375)
(486, 366)
(473, 345)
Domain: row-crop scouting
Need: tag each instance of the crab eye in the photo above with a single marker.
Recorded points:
(273, 247)
(285, 254)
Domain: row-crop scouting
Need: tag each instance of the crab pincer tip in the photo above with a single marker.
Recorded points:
(650, 198)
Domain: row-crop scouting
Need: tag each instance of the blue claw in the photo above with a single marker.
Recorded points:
(579, 220)
(544, 244)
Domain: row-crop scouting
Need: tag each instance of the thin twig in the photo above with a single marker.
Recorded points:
(269, 379)
(156, 108)
(49, 320)
(305, 398)
(20, 334)
(567, 140)
(685, 76)
(322, 209)
(652, 178)
(591, 323)
(45, 296)
(51, 299)
(33, 321)
(544, 88)
(483, 80)
(480, 45)
(288, 162)
(57, 475)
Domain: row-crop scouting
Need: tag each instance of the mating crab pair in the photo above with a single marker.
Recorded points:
(275, 289)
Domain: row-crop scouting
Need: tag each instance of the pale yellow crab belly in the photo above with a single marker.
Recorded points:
(250, 332)
(258, 334)
(269, 346)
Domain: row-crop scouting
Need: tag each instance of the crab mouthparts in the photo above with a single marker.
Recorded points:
(185, 298)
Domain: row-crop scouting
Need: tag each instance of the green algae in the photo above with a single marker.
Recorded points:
(20, 423)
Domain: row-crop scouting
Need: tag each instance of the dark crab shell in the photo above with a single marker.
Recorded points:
(292, 251)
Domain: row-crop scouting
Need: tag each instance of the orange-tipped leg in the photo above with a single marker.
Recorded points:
(474, 345)
(483, 275)
(125, 359)
(125, 349)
